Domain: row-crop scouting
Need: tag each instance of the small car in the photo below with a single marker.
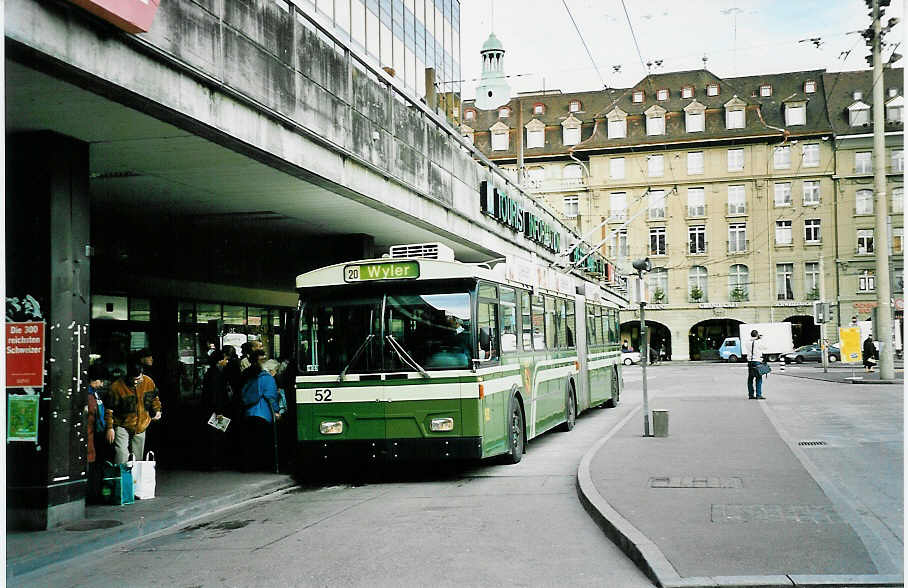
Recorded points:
(630, 357)
(811, 353)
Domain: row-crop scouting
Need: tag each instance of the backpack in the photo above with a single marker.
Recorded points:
(100, 423)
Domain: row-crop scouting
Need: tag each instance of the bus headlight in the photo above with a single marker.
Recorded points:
(331, 427)
(445, 424)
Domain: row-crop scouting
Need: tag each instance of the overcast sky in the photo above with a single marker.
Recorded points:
(739, 37)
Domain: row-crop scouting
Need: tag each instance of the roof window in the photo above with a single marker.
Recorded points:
(574, 106)
(662, 94)
(857, 95)
(810, 86)
(539, 108)
(765, 90)
(504, 112)
(687, 92)
(712, 89)
(469, 114)
(637, 97)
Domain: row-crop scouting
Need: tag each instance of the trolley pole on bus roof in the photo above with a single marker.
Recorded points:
(643, 265)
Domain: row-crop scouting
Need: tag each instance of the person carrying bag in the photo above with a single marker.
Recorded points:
(756, 367)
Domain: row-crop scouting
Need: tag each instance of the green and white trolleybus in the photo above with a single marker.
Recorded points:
(416, 357)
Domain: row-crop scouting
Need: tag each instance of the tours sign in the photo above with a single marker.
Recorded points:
(511, 213)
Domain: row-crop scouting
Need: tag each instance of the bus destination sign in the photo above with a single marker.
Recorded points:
(394, 270)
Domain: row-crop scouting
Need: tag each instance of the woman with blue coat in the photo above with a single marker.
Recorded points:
(260, 404)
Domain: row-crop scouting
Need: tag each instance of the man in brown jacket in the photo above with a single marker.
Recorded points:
(131, 405)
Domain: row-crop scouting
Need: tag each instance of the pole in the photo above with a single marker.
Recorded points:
(824, 347)
(883, 292)
(644, 358)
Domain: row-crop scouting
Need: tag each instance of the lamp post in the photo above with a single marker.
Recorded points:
(642, 266)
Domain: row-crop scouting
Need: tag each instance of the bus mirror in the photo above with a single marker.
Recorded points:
(485, 339)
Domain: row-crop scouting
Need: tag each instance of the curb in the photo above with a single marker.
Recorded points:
(128, 532)
(652, 562)
(847, 380)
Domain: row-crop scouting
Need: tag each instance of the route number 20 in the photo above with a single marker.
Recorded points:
(322, 395)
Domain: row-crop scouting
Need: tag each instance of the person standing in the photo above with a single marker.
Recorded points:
(260, 402)
(131, 405)
(95, 423)
(216, 399)
(870, 354)
(754, 359)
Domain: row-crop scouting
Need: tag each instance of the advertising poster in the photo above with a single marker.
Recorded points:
(22, 418)
(25, 355)
(850, 344)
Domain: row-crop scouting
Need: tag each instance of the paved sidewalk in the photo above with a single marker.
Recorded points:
(180, 497)
(721, 501)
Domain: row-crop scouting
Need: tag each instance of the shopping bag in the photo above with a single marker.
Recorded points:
(143, 475)
(763, 369)
(117, 484)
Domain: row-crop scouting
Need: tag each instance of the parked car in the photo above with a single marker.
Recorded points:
(630, 357)
(811, 353)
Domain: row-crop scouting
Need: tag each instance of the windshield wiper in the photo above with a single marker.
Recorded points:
(406, 357)
(359, 351)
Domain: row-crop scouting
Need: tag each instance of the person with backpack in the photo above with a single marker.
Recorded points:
(95, 423)
(260, 406)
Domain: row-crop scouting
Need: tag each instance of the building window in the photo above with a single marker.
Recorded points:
(657, 241)
(783, 232)
(712, 90)
(571, 206)
(539, 108)
(655, 166)
(782, 194)
(735, 159)
(897, 241)
(765, 90)
(662, 95)
(687, 92)
(694, 122)
(898, 280)
(696, 202)
(697, 286)
(655, 125)
(657, 285)
(734, 118)
(863, 202)
(784, 285)
(469, 133)
(857, 95)
(898, 160)
(866, 281)
(617, 205)
(617, 129)
(535, 137)
(812, 233)
(811, 193)
(617, 245)
(812, 280)
(572, 174)
(637, 97)
(737, 203)
(810, 155)
(738, 283)
(737, 238)
(863, 162)
(469, 114)
(865, 241)
(781, 157)
(657, 204)
(504, 112)
(694, 162)
(535, 176)
(616, 168)
(898, 200)
(795, 114)
(810, 86)
(499, 140)
(696, 239)
(571, 134)
(894, 112)
(859, 115)
(574, 106)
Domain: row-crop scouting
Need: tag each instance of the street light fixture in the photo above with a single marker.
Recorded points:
(642, 266)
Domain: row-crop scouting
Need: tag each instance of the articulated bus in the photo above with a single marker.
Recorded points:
(416, 358)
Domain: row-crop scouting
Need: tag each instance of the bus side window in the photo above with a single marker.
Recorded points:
(551, 332)
(592, 333)
(560, 324)
(508, 319)
(616, 327)
(526, 321)
(488, 331)
(538, 322)
(570, 324)
(604, 324)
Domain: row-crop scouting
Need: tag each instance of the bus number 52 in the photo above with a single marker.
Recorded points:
(322, 395)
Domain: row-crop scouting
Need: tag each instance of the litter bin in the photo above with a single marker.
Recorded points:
(660, 423)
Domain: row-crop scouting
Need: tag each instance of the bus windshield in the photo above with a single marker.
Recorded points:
(382, 331)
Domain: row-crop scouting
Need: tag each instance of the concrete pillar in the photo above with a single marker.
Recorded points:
(47, 231)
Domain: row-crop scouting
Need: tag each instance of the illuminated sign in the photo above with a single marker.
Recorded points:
(368, 272)
(132, 16)
(511, 213)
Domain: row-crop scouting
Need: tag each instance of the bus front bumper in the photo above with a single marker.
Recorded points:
(391, 450)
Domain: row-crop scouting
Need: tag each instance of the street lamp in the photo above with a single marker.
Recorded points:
(642, 266)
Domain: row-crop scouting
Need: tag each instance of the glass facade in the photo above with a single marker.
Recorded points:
(405, 37)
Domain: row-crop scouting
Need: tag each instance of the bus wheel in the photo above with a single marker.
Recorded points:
(515, 433)
(613, 401)
(570, 410)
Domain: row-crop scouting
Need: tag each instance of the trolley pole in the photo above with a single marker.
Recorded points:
(643, 265)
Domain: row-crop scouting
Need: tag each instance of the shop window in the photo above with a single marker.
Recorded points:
(139, 309)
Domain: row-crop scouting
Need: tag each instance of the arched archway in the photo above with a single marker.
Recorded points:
(803, 331)
(660, 336)
(707, 336)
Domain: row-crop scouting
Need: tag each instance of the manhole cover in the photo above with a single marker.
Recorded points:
(812, 443)
(92, 524)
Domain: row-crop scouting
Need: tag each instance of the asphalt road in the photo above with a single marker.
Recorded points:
(488, 524)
